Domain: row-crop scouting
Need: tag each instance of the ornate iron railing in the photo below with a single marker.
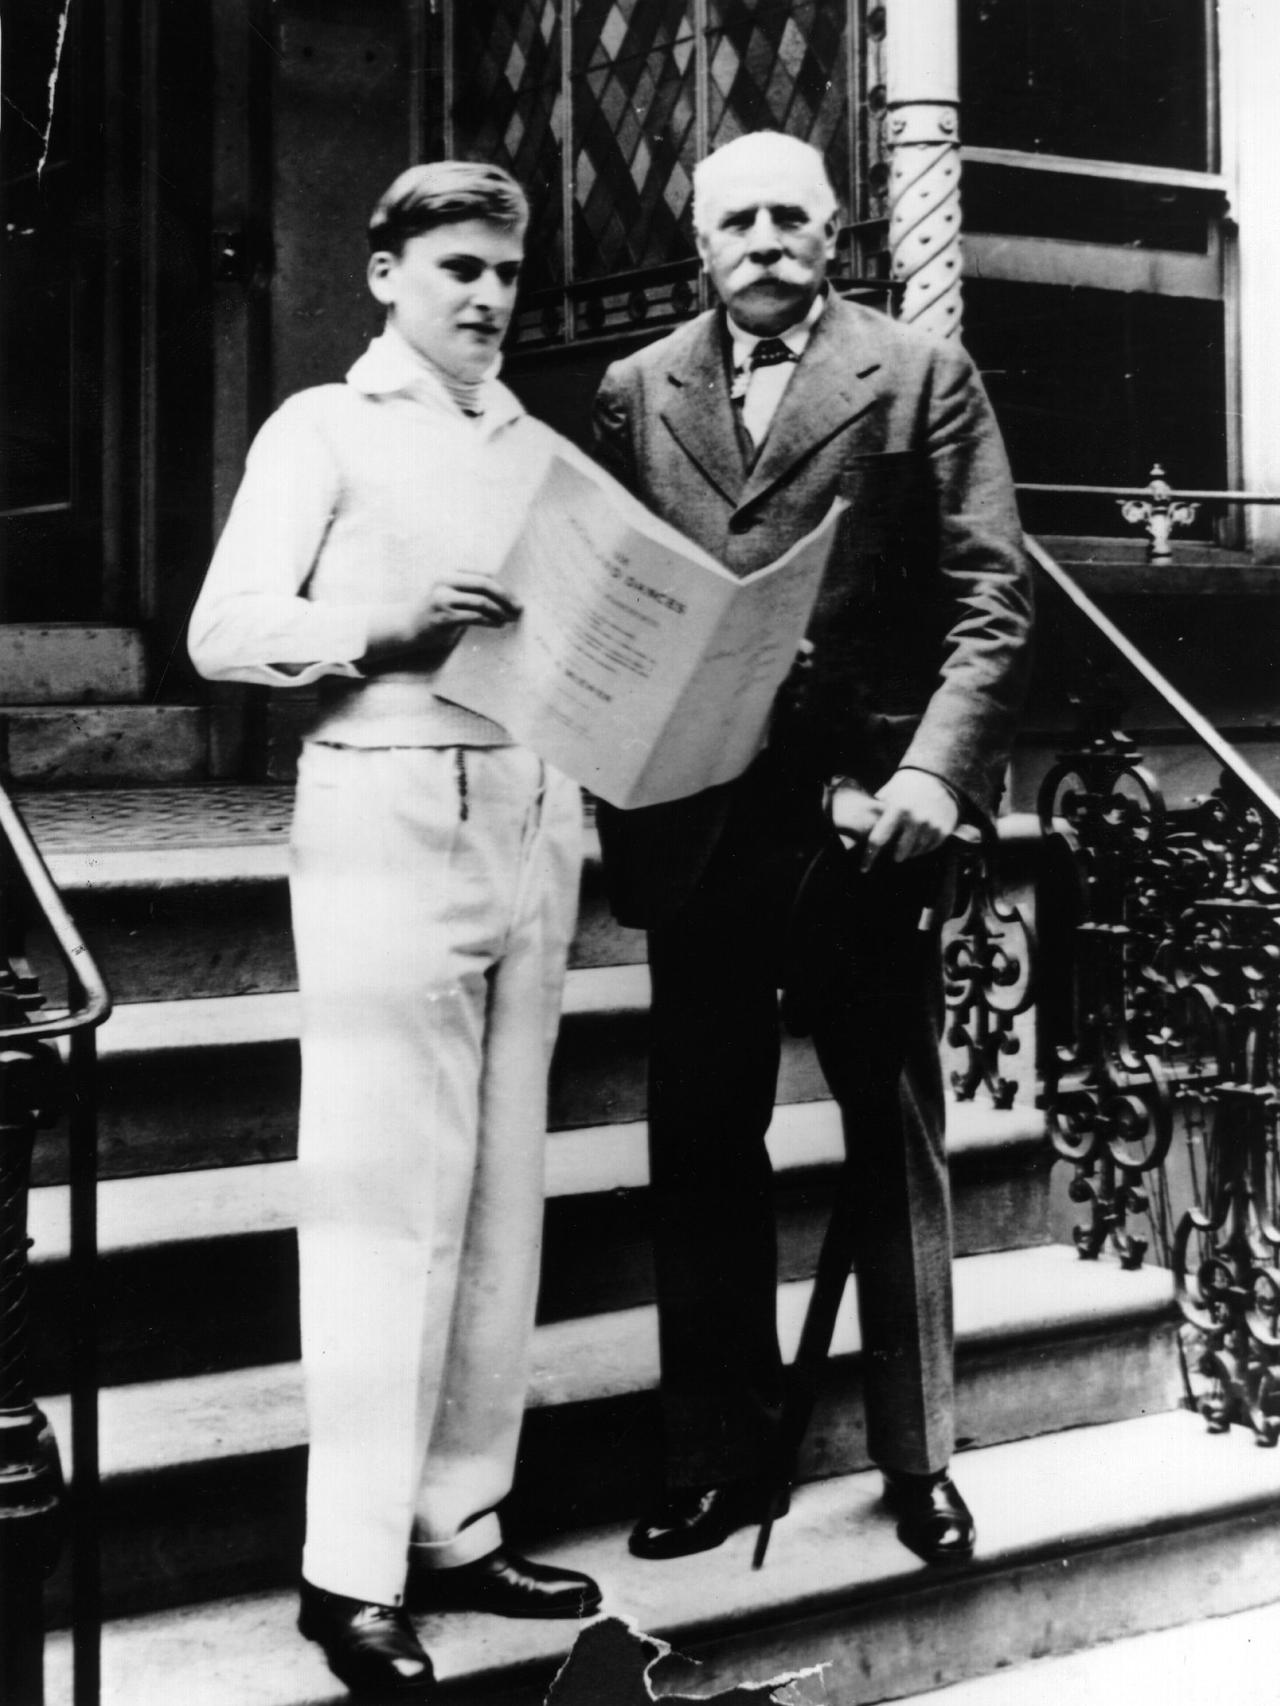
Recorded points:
(35, 1087)
(989, 965)
(1156, 507)
(1158, 1027)
(652, 300)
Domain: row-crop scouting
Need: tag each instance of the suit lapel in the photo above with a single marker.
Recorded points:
(833, 384)
(698, 413)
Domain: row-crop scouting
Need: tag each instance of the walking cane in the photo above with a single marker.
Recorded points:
(835, 1259)
(834, 1262)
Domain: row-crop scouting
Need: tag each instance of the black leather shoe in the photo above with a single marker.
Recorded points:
(508, 1585)
(372, 1648)
(694, 1519)
(933, 1520)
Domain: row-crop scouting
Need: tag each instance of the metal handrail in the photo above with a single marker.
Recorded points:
(1196, 721)
(72, 948)
(1155, 506)
(1145, 492)
(88, 1006)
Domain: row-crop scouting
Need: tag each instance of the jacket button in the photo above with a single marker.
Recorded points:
(741, 523)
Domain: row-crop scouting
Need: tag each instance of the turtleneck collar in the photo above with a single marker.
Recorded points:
(392, 364)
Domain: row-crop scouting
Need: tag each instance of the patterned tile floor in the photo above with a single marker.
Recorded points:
(136, 819)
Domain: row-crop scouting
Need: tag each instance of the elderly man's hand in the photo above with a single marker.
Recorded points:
(919, 813)
(912, 814)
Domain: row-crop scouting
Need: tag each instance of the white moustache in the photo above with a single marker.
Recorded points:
(784, 273)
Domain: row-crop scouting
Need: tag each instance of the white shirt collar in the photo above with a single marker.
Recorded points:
(795, 337)
(391, 364)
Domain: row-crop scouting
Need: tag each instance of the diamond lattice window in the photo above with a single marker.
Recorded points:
(784, 67)
(603, 108)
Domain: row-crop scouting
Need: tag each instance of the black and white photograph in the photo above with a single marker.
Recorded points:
(639, 852)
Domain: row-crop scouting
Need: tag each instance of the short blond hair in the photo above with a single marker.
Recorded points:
(442, 192)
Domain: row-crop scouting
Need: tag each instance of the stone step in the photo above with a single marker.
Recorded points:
(104, 746)
(156, 916)
(214, 1081)
(182, 893)
(1085, 1536)
(1171, 1667)
(209, 1082)
(203, 1083)
(198, 1270)
(70, 663)
(203, 1476)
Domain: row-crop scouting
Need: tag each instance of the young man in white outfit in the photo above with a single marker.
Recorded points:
(434, 886)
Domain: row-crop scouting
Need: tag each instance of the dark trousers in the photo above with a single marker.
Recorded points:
(871, 983)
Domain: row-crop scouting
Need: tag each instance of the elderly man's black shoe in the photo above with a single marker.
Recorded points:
(694, 1519)
(372, 1648)
(933, 1520)
(507, 1585)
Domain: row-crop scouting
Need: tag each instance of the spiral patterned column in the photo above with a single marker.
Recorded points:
(924, 214)
(922, 128)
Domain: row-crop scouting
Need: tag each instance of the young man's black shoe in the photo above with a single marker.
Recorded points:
(508, 1586)
(370, 1647)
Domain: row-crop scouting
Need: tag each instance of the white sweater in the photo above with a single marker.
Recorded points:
(356, 495)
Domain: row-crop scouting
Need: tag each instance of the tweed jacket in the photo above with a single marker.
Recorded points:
(921, 625)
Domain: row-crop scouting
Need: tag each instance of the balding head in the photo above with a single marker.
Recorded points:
(765, 222)
(762, 154)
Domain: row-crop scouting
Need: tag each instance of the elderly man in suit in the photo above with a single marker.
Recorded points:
(741, 428)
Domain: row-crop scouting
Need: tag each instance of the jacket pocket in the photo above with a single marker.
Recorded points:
(885, 495)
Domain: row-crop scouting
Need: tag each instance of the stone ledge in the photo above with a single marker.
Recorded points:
(1019, 1296)
(1083, 1536)
(153, 1210)
(105, 746)
(70, 663)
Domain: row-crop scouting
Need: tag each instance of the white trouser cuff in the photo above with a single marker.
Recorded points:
(470, 1544)
(358, 1573)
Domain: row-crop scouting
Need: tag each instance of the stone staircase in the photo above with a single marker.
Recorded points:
(1103, 1510)
(75, 711)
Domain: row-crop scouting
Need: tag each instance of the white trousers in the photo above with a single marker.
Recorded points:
(434, 893)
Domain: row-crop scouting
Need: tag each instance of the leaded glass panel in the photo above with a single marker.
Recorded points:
(619, 29)
(509, 107)
(643, 96)
(782, 67)
(635, 135)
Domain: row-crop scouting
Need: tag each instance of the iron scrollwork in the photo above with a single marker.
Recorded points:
(1106, 1095)
(1161, 1071)
(988, 961)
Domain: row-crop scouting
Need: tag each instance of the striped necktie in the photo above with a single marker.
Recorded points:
(769, 352)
